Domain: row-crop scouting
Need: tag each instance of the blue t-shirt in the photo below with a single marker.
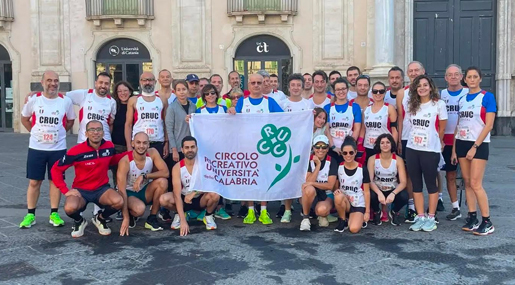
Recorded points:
(453, 93)
(212, 110)
(356, 110)
(193, 100)
(488, 101)
(273, 107)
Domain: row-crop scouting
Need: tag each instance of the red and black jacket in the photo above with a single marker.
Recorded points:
(91, 166)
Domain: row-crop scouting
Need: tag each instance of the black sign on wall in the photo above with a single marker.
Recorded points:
(262, 45)
(123, 49)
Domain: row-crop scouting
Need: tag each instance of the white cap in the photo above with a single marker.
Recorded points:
(320, 138)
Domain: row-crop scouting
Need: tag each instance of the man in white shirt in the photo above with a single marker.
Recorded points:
(352, 75)
(268, 90)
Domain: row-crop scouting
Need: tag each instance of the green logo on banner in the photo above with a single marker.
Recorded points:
(273, 141)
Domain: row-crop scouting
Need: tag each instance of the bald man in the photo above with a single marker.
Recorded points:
(146, 113)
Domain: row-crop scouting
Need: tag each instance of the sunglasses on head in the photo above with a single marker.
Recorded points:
(321, 146)
(348, 153)
(210, 93)
(380, 91)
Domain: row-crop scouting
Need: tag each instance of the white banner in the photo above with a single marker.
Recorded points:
(252, 157)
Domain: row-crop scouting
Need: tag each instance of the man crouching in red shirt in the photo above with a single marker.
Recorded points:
(91, 160)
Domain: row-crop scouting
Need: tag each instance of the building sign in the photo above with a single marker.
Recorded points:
(262, 45)
(123, 49)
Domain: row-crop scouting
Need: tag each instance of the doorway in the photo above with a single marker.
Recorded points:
(6, 91)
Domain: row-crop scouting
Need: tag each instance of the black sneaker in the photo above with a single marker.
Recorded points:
(454, 215)
(228, 208)
(365, 225)
(108, 220)
(152, 224)
(471, 224)
(119, 216)
(242, 213)
(395, 218)
(342, 226)
(410, 218)
(440, 207)
(101, 224)
(164, 214)
(132, 222)
(377, 218)
(281, 212)
(484, 229)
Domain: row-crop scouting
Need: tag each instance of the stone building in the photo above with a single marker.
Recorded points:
(79, 38)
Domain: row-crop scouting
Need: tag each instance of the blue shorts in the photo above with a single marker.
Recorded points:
(141, 194)
(41, 161)
(93, 196)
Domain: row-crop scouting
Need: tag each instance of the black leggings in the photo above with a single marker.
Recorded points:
(423, 163)
(401, 200)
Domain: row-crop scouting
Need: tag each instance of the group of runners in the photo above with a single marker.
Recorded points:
(365, 136)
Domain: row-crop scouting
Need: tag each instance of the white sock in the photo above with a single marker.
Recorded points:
(263, 208)
(411, 204)
(251, 208)
(96, 209)
(289, 211)
(440, 196)
(456, 205)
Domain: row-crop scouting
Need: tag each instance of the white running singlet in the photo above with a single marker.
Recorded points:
(48, 119)
(185, 180)
(388, 98)
(352, 95)
(472, 119)
(323, 174)
(452, 113)
(352, 186)
(203, 110)
(424, 124)
(290, 106)
(385, 178)
(135, 172)
(249, 108)
(327, 101)
(148, 118)
(376, 124)
(341, 124)
(170, 99)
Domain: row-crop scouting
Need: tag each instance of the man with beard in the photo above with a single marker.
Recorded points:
(139, 185)
(184, 199)
(146, 113)
(308, 86)
(319, 98)
(352, 75)
(395, 80)
(165, 80)
(335, 74)
(47, 116)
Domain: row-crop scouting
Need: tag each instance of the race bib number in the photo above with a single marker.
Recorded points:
(338, 133)
(372, 140)
(419, 139)
(151, 130)
(353, 199)
(48, 137)
(464, 132)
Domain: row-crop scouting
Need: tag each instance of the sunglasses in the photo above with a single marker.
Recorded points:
(320, 146)
(380, 91)
(348, 153)
(210, 93)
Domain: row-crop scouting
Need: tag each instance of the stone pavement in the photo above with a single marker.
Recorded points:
(253, 254)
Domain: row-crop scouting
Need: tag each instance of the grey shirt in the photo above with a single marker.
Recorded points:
(176, 125)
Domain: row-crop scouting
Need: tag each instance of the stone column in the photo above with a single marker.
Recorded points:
(384, 38)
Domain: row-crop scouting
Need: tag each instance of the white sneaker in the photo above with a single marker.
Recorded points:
(305, 225)
(209, 221)
(176, 224)
(78, 230)
(323, 222)
(101, 225)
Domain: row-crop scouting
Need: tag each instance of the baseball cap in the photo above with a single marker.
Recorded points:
(192, 77)
(320, 138)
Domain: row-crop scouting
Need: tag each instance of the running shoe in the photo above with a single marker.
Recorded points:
(395, 218)
(280, 213)
(176, 223)
(78, 228)
(222, 214)
(384, 216)
(201, 216)
(132, 222)
(332, 219)
(119, 216)
(191, 215)
(485, 228)
(440, 207)
(365, 225)
(454, 215)
(152, 224)
(342, 226)
(242, 213)
(55, 220)
(109, 220)
(164, 215)
(264, 217)
(286, 218)
(419, 223)
(101, 225)
(429, 225)
(305, 225)
(471, 224)
(209, 221)
(377, 218)
(323, 222)
(250, 218)
(410, 218)
(28, 221)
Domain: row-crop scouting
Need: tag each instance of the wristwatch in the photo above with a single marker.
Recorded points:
(144, 176)
(475, 145)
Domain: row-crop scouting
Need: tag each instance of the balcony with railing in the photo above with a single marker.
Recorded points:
(6, 12)
(119, 10)
(261, 8)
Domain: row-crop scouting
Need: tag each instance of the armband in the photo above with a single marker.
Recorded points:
(393, 124)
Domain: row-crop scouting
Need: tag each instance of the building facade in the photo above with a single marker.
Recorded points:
(80, 38)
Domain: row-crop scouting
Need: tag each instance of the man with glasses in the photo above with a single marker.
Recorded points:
(193, 87)
(319, 98)
(308, 86)
(352, 75)
(256, 103)
(146, 113)
(91, 160)
(47, 116)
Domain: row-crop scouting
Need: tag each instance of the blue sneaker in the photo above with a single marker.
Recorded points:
(200, 216)
(192, 214)
(419, 223)
(429, 225)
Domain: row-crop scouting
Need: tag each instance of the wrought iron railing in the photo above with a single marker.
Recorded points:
(262, 6)
(130, 8)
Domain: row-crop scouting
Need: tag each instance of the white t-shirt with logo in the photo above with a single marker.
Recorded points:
(290, 106)
(424, 124)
